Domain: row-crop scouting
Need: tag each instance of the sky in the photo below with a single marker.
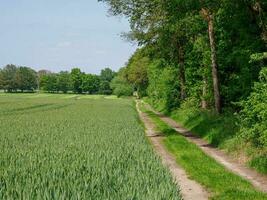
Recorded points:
(62, 34)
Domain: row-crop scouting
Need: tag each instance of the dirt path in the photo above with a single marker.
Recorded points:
(259, 181)
(190, 189)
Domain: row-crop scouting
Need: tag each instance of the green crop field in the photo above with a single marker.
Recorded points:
(77, 147)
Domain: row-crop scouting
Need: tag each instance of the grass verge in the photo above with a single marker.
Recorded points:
(218, 130)
(214, 128)
(205, 170)
(221, 131)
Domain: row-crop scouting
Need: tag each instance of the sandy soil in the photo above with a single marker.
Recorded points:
(258, 180)
(190, 189)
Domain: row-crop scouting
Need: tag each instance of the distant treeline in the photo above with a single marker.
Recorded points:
(25, 79)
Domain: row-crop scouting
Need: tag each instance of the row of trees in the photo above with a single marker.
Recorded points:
(25, 79)
(195, 48)
(210, 52)
(77, 81)
(13, 78)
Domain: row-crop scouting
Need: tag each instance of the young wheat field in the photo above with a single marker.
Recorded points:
(77, 147)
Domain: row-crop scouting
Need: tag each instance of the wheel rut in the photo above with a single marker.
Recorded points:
(190, 189)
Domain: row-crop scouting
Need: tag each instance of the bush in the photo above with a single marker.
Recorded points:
(163, 89)
(123, 90)
(253, 116)
(120, 87)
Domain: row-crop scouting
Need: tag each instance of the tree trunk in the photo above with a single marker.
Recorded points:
(182, 72)
(217, 96)
(258, 12)
(204, 103)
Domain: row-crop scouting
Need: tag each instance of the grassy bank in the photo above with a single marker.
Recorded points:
(219, 130)
(216, 129)
(205, 170)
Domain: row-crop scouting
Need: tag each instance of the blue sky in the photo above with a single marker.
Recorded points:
(61, 34)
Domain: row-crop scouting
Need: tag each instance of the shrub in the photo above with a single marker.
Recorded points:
(253, 116)
(163, 89)
(120, 87)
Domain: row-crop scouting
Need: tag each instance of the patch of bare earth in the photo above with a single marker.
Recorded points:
(190, 189)
(258, 180)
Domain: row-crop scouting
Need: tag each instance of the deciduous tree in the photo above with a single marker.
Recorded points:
(76, 77)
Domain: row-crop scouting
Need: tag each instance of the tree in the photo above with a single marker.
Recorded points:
(49, 83)
(8, 78)
(136, 72)
(104, 88)
(107, 74)
(1, 80)
(25, 79)
(158, 24)
(76, 77)
(209, 16)
(64, 81)
(208, 9)
(233, 30)
(258, 8)
(40, 74)
(90, 83)
(106, 77)
(199, 79)
(163, 88)
(121, 87)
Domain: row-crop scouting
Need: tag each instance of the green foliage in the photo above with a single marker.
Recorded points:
(107, 74)
(74, 147)
(137, 72)
(90, 83)
(76, 81)
(13, 78)
(184, 43)
(76, 77)
(237, 41)
(216, 129)
(259, 162)
(64, 83)
(254, 114)
(49, 82)
(258, 56)
(26, 79)
(121, 87)
(1, 80)
(104, 88)
(163, 87)
(176, 31)
(198, 79)
(106, 77)
(8, 74)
